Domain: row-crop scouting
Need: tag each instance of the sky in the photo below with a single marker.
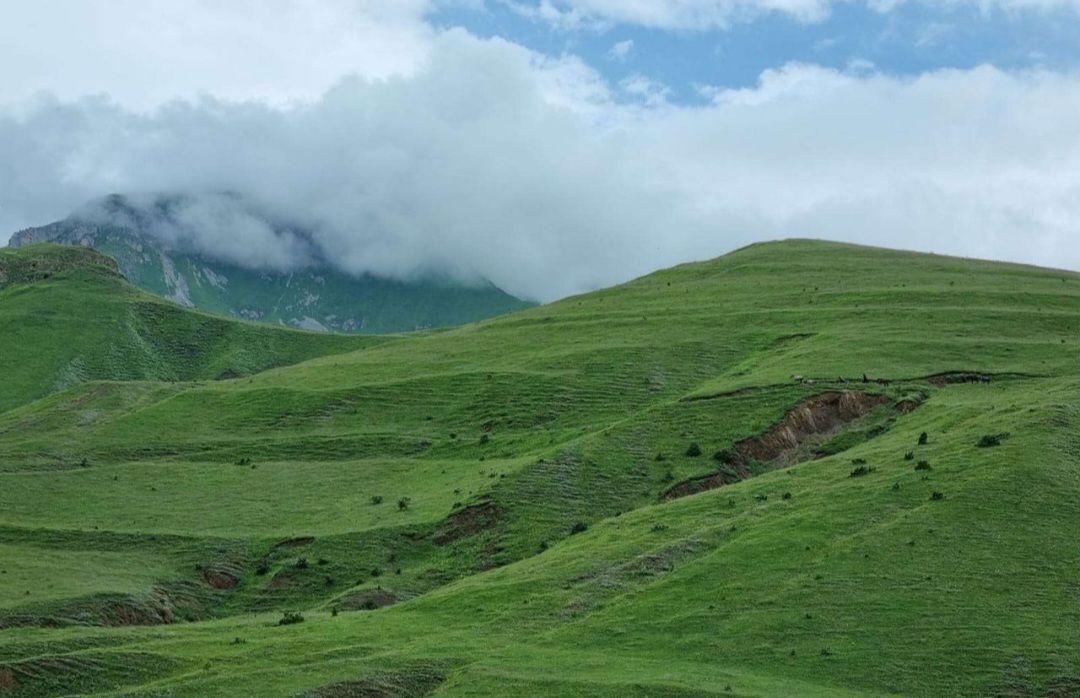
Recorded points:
(550, 146)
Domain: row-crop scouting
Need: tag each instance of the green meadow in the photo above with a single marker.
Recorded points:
(879, 452)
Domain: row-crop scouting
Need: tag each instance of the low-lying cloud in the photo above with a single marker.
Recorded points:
(490, 161)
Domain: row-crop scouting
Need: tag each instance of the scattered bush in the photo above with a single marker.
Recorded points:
(453, 435)
(991, 440)
(302, 563)
(334, 610)
(657, 528)
(484, 438)
(910, 455)
(786, 495)
(403, 503)
(923, 439)
(668, 477)
(238, 641)
(860, 471)
(858, 461)
(693, 450)
(323, 561)
(761, 497)
(243, 461)
(376, 499)
(579, 527)
(291, 618)
(923, 465)
(726, 456)
(376, 572)
(937, 496)
(262, 568)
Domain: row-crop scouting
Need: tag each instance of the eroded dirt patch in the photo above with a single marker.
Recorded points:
(220, 579)
(405, 684)
(814, 417)
(468, 522)
(953, 377)
(294, 542)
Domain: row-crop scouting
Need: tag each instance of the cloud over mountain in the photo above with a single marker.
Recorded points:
(489, 160)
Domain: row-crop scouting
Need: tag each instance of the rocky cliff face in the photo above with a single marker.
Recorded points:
(317, 297)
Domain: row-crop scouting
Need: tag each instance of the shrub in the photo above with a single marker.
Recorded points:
(858, 461)
(860, 471)
(334, 610)
(376, 572)
(302, 563)
(910, 455)
(243, 461)
(725, 456)
(291, 618)
(262, 568)
(376, 499)
(761, 497)
(323, 561)
(786, 495)
(693, 450)
(923, 465)
(484, 438)
(991, 440)
(923, 438)
(579, 527)
(403, 503)
(668, 477)
(937, 496)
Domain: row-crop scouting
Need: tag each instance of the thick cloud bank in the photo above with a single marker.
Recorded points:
(491, 161)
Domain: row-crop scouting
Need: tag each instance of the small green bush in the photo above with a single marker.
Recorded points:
(579, 527)
(376, 499)
(403, 503)
(923, 465)
(858, 461)
(991, 440)
(291, 618)
(726, 456)
(910, 455)
(923, 439)
(693, 450)
(860, 471)
(301, 563)
(937, 496)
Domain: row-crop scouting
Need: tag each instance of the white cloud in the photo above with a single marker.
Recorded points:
(490, 161)
(621, 50)
(144, 53)
(702, 15)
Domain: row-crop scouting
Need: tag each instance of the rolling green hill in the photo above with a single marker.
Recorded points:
(67, 316)
(803, 468)
(317, 297)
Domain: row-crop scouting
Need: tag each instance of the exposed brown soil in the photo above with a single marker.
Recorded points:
(405, 684)
(7, 680)
(281, 581)
(905, 406)
(468, 522)
(957, 377)
(815, 416)
(369, 600)
(294, 542)
(220, 579)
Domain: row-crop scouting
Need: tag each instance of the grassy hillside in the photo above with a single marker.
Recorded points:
(67, 317)
(509, 507)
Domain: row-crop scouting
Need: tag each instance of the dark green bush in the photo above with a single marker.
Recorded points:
(403, 503)
(858, 461)
(991, 440)
(291, 618)
(910, 455)
(376, 499)
(937, 496)
(726, 456)
(923, 439)
(579, 527)
(923, 465)
(302, 563)
(693, 450)
(860, 471)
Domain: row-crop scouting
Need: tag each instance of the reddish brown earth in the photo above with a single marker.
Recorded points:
(813, 417)
(369, 600)
(468, 522)
(219, 579)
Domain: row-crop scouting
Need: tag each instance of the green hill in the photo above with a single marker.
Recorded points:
(803, 468)
(67, 316)
(317, 297)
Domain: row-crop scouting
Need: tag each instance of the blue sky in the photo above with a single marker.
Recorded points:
(911, 38)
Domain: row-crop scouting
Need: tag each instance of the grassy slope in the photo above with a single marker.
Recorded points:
(861, 585)
(78, 321)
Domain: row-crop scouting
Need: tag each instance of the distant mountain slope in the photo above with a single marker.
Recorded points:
(68, 316)
(316, 298)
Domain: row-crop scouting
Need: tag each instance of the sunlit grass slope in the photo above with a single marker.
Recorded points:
(485, 507)
(67, 317)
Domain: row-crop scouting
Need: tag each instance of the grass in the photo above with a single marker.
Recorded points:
(849, 586)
